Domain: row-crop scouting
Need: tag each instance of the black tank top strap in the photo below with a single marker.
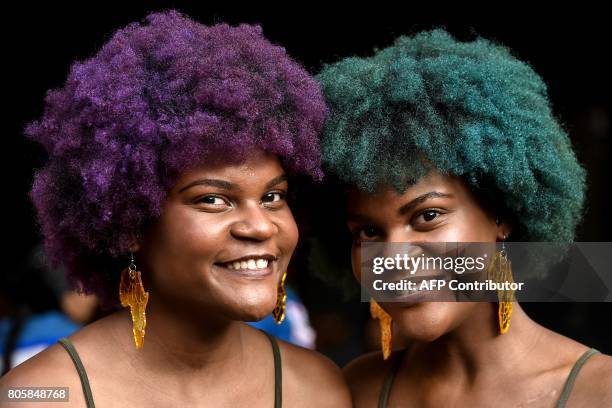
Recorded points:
(67, 344)
(278, 372)
(571, 378)
(383, 400)
(565, 393)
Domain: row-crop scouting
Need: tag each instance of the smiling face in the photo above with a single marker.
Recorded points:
(438, 208)
(224, 238)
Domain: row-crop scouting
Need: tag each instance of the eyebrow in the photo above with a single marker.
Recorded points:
(226, 185)
(356, 217)
(276, 180)
(404, 208)
(222, 184)
(409, 206)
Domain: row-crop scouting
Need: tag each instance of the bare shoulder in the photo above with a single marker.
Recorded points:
(313, 376)
(365, 376)
(367, 367)
(51, 367)
(593, 386)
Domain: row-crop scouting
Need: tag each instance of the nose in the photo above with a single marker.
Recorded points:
(254, 224)
(399, 234)
(404, 242)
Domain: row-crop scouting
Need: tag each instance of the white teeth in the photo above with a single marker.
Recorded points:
(255, 263)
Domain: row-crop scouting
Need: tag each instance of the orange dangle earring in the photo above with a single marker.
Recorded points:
(132, 294)
(384, 321)
(281, 300)
(500, 271)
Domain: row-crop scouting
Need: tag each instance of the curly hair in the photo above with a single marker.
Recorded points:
(469, 109)
(158, 98)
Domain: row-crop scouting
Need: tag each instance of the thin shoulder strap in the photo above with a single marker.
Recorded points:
(571, 378)
(383, 400)
(278, 372)
(67, 344)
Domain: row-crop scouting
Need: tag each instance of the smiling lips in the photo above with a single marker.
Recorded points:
(253, 263)
(257, 263)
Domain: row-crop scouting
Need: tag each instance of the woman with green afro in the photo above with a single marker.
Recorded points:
(437, 140)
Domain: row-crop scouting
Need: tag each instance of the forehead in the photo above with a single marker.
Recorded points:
(257, 166)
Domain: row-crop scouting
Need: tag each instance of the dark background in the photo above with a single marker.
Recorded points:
(569, 50)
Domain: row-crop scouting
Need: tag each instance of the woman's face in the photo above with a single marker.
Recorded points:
(438, 208)
(224, 238)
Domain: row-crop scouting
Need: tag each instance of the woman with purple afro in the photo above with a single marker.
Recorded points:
(170, 156)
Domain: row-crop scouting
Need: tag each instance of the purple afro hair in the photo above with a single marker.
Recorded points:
(158, 98)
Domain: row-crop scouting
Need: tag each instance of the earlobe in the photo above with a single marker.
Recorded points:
(502, 232)
(135, 243)
(503, 229)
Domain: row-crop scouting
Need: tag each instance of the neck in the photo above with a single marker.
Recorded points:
(179, 342)
(476, 350)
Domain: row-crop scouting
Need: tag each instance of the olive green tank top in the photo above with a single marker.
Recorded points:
(278, 373)
(383, 400)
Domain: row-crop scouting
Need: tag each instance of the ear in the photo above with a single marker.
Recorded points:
(503, 229)
(135, 243)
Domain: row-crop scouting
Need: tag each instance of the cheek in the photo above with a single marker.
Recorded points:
(191, 233)
(181, 244)
(288, 232)
(469, 225)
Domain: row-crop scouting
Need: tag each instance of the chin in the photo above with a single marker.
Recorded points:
(251, 316)
(422, 333)
(253, 307)
(254, 313)
(424, 322)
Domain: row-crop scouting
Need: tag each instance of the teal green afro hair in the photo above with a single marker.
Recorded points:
(469, 109)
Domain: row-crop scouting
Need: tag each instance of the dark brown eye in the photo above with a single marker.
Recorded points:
(430, 215)
(274, 200)
(273, 197)
(211, 200)
(368, 233)
(427, 218)
(212, 203)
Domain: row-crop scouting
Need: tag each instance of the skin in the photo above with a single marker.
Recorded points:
(456, 356)
(197, 351)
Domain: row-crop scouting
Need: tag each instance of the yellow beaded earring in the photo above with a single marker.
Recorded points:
(281, 299)
(500, 271)
(132, 294)
(384, 321)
